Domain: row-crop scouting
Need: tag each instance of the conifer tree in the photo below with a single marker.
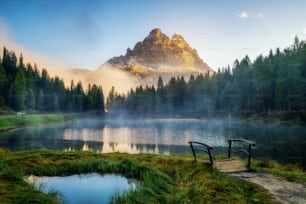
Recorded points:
(17, 93)
(30, 99)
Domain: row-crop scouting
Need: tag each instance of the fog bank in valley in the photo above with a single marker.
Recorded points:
(106, 76)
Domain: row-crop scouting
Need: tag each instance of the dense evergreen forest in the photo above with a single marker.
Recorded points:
(271, 84)
(23, 87)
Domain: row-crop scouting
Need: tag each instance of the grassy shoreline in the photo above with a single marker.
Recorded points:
(15, 121)
(291, 172)
(164, 179)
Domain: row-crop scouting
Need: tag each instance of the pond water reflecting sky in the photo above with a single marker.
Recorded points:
(84, 188)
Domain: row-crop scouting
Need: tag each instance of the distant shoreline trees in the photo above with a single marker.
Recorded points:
(272, 83)
(23, 87)
(276, 82)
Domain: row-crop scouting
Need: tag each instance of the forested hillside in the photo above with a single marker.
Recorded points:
(23, 87)
(272, 83)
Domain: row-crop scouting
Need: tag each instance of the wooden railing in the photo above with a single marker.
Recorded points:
(201, 147)
(247, 151)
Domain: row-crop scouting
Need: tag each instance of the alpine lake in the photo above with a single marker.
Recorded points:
(285, 143)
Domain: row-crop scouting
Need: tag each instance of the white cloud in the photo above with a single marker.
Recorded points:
(243, 14)
(304, 30)
(259, 15)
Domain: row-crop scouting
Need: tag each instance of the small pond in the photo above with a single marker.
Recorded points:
(84, 188)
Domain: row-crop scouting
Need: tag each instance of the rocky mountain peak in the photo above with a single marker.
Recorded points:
(179, 41)
(155, 37)
(158, 53)
(155, 33)
(177, 36)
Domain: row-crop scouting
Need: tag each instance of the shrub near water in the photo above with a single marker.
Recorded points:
(162, 179)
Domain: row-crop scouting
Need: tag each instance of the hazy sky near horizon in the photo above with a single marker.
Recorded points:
(85, 34)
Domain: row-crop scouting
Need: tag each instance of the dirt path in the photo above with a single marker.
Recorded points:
(283, 190)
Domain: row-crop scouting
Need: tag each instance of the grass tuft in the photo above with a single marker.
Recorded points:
(290, 171)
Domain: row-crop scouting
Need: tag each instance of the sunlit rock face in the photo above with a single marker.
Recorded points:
(160, 54)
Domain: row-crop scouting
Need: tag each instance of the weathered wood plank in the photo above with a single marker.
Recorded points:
(229, 165)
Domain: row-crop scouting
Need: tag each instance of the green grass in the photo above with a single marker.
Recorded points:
(289, 171)
(8, 122)
(163, 179)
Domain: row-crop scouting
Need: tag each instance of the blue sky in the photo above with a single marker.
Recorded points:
(85, 34)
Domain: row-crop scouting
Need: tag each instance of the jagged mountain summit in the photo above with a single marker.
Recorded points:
(158, 53)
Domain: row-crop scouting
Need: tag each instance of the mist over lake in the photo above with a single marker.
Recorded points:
(282, 142)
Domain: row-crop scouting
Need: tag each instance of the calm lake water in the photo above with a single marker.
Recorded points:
(285, 143)
(84, 188)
